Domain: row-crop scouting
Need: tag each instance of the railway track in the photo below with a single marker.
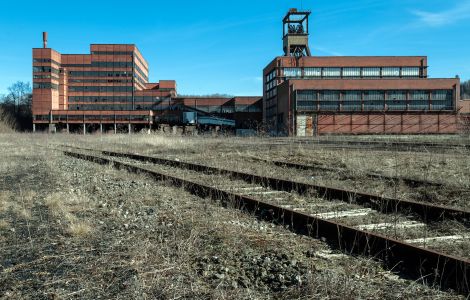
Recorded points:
(412, 182)
(374, 145)
(333, 214)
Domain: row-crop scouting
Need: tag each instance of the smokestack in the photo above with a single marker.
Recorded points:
(44, 39)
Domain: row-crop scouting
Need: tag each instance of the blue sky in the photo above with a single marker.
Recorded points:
(222, 46)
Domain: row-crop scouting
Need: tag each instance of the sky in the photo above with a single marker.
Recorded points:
(222, 46)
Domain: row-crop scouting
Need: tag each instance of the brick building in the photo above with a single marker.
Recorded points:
(305, 95)
(109, 88)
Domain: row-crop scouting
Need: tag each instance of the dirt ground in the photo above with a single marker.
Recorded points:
(73, 229)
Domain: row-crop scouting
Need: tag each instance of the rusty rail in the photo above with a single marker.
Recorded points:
(374, 145)
(427, 212)
(317, 167)
(425, 265)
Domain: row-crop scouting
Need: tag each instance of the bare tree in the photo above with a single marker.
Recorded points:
(16, 105)
(20, 94)
(465, 90)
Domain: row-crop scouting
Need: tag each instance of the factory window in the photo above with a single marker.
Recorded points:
(45, 60)
(307, 100)
(306, 105)
(111, 53)
(442, 95)
(102, 89)
(419, 95)
(371, 72)
(307, 95)
(442, 105)
(293, 72)
(352, 95)
(374, 95)
(45, 70)
(396, 100)
(312, 72)
(410, 71)
(391, 72)
(352, 101)
(329, 105)
(42, 76)
(396, 95)
(331, 72)
(419, 100)
(396, 104)
(329, 95)
(374, 100)
(45, 85)
(329, 100)
(352, 72)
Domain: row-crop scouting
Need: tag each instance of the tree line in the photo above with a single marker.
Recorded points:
(15, 107)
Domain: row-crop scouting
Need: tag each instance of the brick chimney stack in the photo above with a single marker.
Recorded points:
(44, 39)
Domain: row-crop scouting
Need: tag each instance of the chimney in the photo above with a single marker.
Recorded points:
(44, 39)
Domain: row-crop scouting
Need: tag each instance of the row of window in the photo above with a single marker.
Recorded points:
(375, 105)
(101, 89)
(375, 100)
(46, 69)
(118, 53)
(139, 106)
(102, 64)
(100, 80)
(116, 99)
(352, 72)
(100, 74)
(271, 93)
(141, 73)
(312, 95)
(271, 76)
(112, 52)
(45, 76)
(45, 60)
(45, 85)
(92, 117)
(107, 107)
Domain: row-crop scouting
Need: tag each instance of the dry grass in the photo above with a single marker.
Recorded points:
(80, 229)
(94, 232)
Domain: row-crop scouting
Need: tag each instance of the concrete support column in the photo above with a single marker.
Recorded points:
(115, 128)
(101, 128)
(34, 127)
(130, 128)
(68, 128)
(84, 128)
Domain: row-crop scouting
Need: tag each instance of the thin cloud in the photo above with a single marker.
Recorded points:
(446, 17)
(326, 51)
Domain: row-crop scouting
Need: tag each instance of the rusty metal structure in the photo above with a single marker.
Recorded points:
(295, 33)
(306, 95)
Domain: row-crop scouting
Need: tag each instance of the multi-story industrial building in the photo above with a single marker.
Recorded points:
(305, 95)
(109, 88)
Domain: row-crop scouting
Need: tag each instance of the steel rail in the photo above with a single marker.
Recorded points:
(375, 145)
(430, 267)
(426, 212)
(384, 144)
(315, 167)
